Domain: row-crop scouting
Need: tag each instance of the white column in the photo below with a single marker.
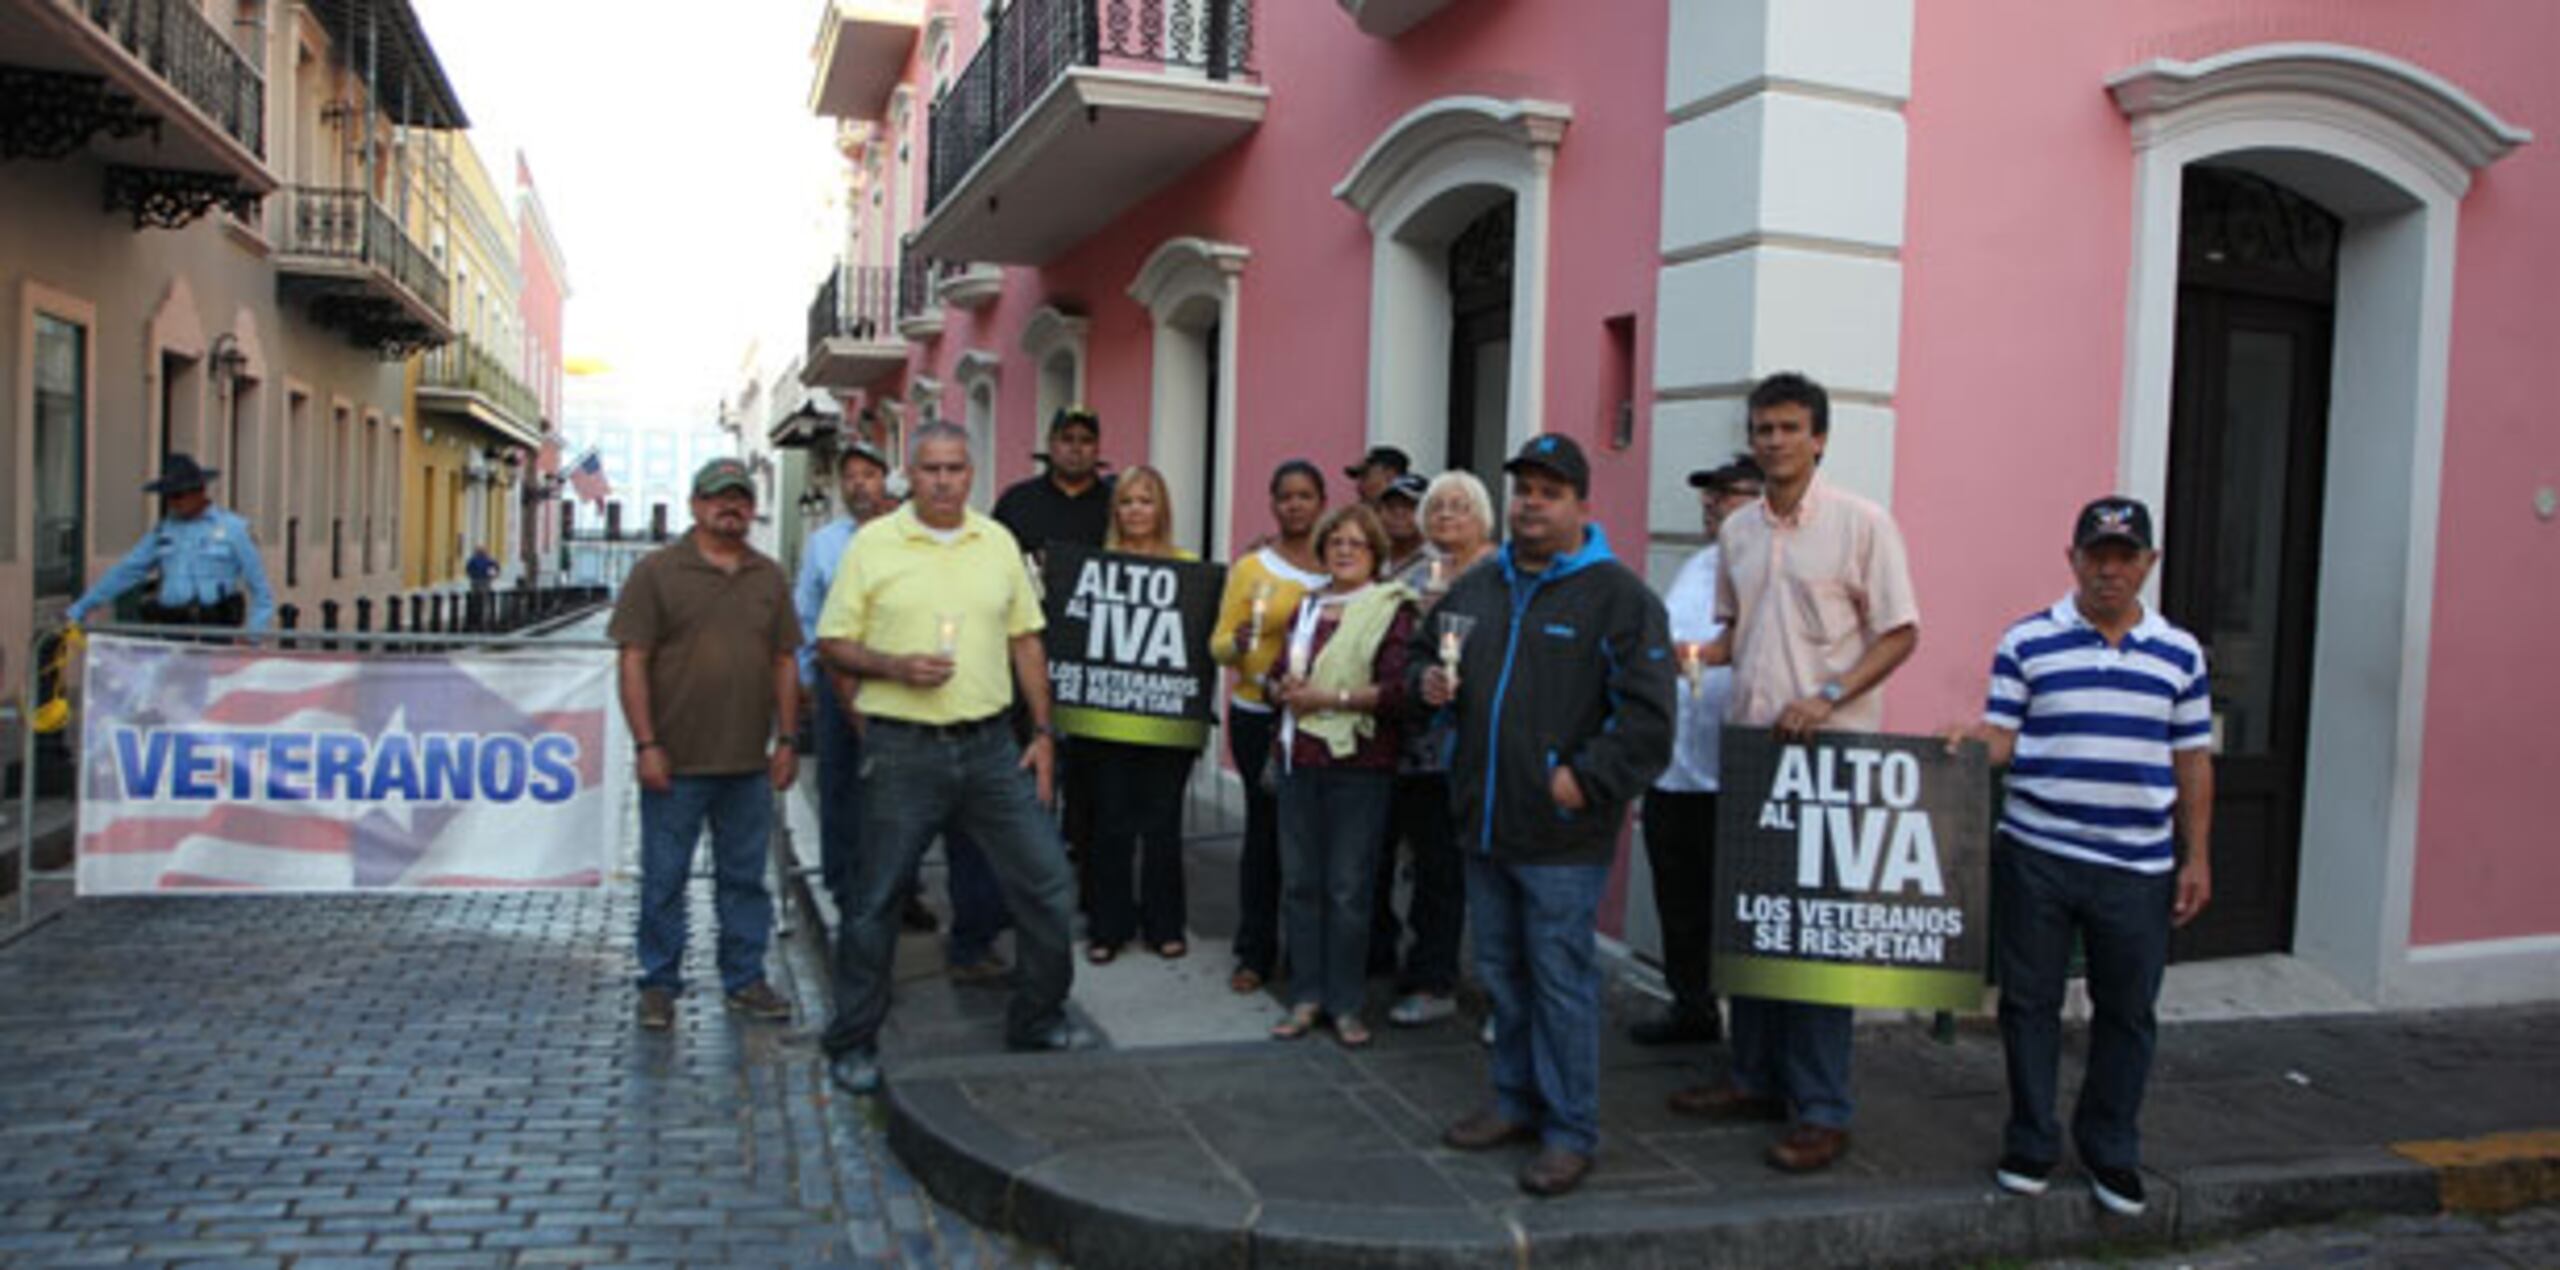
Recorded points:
(1784, 171)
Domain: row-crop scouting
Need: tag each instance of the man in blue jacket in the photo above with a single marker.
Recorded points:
(1562, 705)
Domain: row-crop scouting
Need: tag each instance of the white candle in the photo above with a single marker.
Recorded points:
(946, 633)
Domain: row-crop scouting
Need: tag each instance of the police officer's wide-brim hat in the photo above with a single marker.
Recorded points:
(180, 474)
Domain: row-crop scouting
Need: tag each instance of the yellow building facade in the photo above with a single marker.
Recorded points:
(477, 424)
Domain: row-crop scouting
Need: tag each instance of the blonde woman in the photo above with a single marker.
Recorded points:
(1342, 686)
(1138, 788)
(1457, 522)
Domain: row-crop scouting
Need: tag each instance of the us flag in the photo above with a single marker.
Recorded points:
(588, 479)
(219, 768)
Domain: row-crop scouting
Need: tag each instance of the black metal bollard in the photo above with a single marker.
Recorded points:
(435, 614)
(391, 615)
(288, 617)
(417, 612)
(364, 615)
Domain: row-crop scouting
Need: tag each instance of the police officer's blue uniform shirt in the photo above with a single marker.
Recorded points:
(200, 562)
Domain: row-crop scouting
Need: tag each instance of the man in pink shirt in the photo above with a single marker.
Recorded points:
(1816, 599)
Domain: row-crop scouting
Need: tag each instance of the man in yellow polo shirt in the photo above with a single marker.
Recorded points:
(934, 612)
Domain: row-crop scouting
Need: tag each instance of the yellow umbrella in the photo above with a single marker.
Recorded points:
(55, 713)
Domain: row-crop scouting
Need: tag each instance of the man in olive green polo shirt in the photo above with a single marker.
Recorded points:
(709, 681)
(933, 610)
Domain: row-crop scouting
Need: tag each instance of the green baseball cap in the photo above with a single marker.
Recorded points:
(721, 475)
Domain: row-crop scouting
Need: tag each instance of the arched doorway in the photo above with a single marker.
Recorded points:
(2248, 444)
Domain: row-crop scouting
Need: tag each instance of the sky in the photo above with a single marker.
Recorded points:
(687, 182)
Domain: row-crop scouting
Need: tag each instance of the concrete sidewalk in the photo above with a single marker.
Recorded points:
(1249, 1151)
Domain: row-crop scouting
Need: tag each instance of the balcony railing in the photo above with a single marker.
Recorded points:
(347, 225)
(463, 366)
(1030, 45)
(182, 47)
(917, 276)
(852, 303)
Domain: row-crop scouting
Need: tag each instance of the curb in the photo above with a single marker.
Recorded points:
(1096, 1208)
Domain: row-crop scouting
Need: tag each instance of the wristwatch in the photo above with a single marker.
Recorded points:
(1831, 692)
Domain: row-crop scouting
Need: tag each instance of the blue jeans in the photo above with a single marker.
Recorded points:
(839, 793)
(2038, 900)
(740, 810)
(977, 898)
(915, 782)
(1797, 1051)
(1331, 821)
(1540, 963)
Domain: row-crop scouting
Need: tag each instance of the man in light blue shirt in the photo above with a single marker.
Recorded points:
(862, 478)
(206, 562)
(1680, 809)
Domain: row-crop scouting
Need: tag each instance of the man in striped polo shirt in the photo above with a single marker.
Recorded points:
(2100, 711)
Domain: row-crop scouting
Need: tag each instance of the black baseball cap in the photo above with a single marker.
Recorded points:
(1556, 454)
(1075, 417)
(1742, 469)
(1380, 456)
(1407, 486)
(2113, 519)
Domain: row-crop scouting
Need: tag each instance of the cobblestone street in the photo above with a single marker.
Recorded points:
(422, 1081)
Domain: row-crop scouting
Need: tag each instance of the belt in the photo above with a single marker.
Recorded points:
(941, 731)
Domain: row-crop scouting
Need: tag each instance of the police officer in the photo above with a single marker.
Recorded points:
(207, 565)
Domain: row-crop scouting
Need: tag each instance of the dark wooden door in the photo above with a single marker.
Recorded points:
(1480, 275)
(2242, 558)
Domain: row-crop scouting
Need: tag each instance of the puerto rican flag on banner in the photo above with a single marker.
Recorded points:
(215, 768)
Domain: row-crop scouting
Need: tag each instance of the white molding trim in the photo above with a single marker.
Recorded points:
(976, 366)
(1411, 141)
(1418, 184)
(2453, 124)
(1051, 326)
(2316, 118)
(1053, 331)
(1179, 278)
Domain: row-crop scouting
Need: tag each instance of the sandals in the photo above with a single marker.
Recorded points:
(1245, 980)
(1300, 1022)
(1101, 954)
(1172, 949)
(1352, 1033)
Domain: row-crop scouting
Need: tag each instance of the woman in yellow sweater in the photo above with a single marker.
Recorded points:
(1263, 590)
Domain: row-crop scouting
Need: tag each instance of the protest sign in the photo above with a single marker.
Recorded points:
(1128, 644)
(219, 768)
(1852, 870)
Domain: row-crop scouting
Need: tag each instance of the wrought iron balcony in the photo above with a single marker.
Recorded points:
(1072, 111)
(176, 41)
(467, 379)
(152, 88)
(851, 340)
(919, 307)
(360, 271)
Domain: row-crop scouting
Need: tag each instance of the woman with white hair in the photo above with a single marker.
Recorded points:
(1457, 522)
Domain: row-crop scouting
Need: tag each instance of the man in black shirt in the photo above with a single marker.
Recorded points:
(1068, 503)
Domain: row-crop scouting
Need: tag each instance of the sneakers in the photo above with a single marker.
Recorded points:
(856, 1072)
(2019, 1175)
(657, 1010)
(758, 1000)
(2118, 1190)
(1420, 1009)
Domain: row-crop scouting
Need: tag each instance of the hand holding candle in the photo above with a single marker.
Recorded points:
(1453, 638)
(1261, 609)
(1693, 663)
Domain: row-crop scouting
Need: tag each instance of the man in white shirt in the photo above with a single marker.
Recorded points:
(1680, 809)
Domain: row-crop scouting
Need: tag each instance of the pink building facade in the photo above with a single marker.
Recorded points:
(543, 306)
(2267, 264)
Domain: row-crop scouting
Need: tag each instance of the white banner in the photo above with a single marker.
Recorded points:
(217, 768)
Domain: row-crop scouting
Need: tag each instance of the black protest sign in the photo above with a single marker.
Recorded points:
(1128, 644)
(1853, 869)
